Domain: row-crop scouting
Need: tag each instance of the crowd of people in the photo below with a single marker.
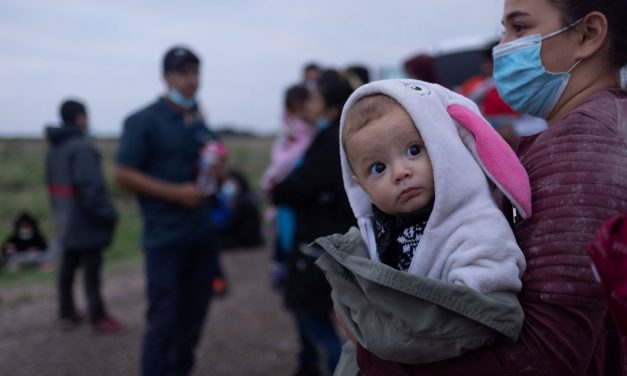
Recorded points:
(418, 229)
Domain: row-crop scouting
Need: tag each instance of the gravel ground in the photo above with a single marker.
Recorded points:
(247, 333)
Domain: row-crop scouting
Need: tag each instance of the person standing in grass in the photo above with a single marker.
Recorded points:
(84, 216)
(158, 159)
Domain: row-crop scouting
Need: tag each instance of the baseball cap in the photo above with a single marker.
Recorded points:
(176, 57)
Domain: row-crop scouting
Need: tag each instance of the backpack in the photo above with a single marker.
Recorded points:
(608, 252)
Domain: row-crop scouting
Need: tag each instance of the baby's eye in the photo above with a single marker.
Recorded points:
(414, 150)
(377, 168)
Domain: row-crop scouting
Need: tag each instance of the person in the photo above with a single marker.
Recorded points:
(357, 75)
(311, 73)
(423, 204)
(158, 159)
(314, 191)
(84, 216)
(210, 177)
(294, 137)
(26, 245)
(422, 67)
(560, 60)
(242, 226)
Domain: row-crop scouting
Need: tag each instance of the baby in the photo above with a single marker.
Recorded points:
(415, 157)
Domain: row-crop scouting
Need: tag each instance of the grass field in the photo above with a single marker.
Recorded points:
(22, 187)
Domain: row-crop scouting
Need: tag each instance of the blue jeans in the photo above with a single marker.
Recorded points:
(179, 290)
(317, 331)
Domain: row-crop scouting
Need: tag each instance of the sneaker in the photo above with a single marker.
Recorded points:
(218, 286)
(70, 323)
(107, 325)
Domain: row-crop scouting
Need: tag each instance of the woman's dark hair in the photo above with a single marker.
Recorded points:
(294, 96)
(335, 90)
(614, 10)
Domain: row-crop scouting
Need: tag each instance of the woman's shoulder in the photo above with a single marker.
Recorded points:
(603, 113)
(601, 120)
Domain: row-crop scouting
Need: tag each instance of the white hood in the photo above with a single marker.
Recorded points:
(467, 239)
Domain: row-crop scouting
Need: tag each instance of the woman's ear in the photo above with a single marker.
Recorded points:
(592, 33)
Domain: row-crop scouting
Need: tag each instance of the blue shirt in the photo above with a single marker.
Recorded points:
(157, 142)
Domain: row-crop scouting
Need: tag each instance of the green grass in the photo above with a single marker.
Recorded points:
(22, 187)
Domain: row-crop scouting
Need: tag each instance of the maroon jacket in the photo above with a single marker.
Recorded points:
(578, 174)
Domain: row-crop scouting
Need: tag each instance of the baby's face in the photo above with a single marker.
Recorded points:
(390, 162)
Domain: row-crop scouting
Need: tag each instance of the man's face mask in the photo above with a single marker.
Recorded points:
(180, 100)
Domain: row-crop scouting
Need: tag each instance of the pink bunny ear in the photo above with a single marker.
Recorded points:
(496, 158)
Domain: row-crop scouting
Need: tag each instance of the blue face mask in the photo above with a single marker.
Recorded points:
(181, 100)
(229, 190)
(322, 123)
(521, 79)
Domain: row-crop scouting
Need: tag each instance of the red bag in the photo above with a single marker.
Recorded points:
(609, 257)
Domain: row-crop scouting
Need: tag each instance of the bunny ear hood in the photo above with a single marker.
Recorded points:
(432, 108)
(464, 149)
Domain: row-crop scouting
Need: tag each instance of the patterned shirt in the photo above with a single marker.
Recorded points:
(398, 236)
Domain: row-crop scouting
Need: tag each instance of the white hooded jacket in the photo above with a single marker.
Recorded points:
(467, 239)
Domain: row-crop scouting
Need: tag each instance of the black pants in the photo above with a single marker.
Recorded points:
(179, 291)
(91, 261)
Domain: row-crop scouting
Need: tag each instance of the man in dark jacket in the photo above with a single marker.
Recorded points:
(84, 216)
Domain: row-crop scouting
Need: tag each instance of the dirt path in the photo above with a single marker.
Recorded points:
(247, 333)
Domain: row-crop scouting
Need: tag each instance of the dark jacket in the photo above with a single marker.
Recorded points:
(157, 142)
(243, 227)
(578, 177)
(315, 191)
(84, 216)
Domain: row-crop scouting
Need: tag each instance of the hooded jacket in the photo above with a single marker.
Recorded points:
(84, 216)
(467, 240)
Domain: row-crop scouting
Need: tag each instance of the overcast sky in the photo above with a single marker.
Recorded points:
(108, 52)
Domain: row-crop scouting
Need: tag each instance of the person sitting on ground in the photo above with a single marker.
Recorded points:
(242, 227)
(26, 245)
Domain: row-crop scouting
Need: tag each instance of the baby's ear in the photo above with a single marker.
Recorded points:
(354, 178)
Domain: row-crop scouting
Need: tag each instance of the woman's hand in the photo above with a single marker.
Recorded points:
(342, 324)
